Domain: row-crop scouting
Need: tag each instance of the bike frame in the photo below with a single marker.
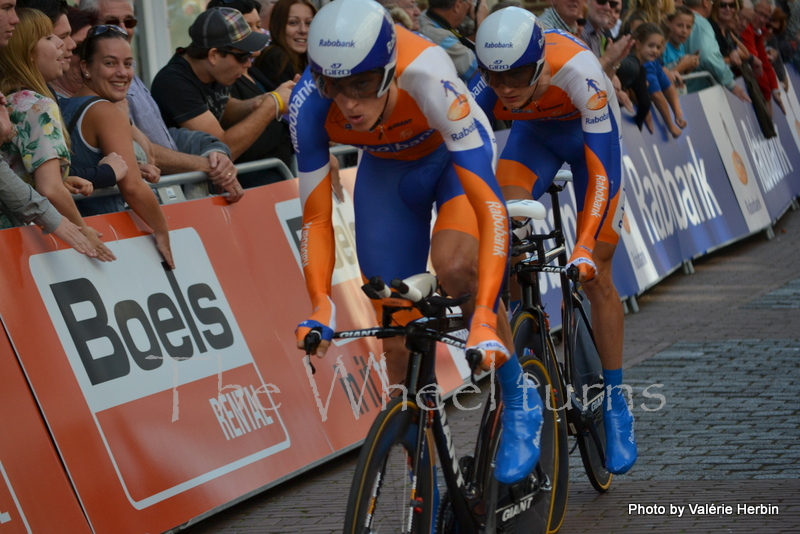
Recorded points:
(421, 336)
(578, 411)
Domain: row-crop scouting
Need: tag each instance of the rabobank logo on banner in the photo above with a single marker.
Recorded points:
(670, 195)
(164, 365)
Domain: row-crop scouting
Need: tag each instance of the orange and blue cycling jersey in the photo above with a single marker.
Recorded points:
(576, 121)
(436, 148)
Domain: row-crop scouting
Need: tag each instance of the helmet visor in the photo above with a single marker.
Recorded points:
(516, 78)
(362, 85)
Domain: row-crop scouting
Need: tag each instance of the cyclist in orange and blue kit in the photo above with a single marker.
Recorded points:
(565, 110)
(424, 142)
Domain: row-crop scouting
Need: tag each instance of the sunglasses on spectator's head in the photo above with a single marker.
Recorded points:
(128, 23)
(730, 5)
(241, 57)
(613, 3)
(94, 31)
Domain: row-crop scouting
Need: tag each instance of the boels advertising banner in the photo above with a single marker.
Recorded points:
(172, 392)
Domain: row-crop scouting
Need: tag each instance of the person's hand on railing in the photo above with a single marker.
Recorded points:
(78, 186)
(758, 66)
(223, 174)
(118, 164)
(741, 93)
(688, 62)
(164, 247)
(776, 94)
(71, 234)
(150, 173)
(103, 252)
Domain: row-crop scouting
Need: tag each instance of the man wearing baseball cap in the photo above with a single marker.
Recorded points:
(193, 89)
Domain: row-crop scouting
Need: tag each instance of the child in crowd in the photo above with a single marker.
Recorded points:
(649, 43)
(675, 60)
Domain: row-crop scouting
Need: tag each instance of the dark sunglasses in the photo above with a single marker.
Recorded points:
(356, 86)
(96, 31)
(128, 23)
(730, 5)
(241, 57)
(611, 3)
(515, 78)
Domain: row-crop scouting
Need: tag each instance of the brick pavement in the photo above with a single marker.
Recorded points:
(725, 342)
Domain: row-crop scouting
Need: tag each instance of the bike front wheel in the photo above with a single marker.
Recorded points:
(588, 401)
(528, 335)
(388, 494)
(527, 507)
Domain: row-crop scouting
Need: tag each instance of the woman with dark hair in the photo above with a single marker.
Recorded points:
(275, 140)
(38, 152)
(288, 26)
(724, 21)
(101, 127)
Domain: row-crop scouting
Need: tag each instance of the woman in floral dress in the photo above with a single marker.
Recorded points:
(39, 152)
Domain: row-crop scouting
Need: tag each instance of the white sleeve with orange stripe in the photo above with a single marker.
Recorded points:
(308, 111)
(592, 93)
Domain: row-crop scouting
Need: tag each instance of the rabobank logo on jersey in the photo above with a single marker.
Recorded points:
(337, 43)
(465, 131)
(596, 120)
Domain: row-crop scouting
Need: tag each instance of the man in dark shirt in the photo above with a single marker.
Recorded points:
(193, 89)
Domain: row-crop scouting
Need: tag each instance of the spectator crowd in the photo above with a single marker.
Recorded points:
(77, 119)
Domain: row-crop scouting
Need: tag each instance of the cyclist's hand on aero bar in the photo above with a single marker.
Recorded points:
(325, 334)
(582, 260)
(483, 337)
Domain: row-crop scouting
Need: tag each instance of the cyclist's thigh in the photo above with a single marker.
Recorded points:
(534, 152)
(393, 204)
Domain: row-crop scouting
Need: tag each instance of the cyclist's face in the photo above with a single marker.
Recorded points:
(361, 113)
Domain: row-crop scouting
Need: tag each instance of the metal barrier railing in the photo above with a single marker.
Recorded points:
(242, 168)
(699, 75)
(199, 176)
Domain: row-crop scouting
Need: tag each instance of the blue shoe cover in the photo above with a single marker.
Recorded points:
(620, 440)
(522, 416)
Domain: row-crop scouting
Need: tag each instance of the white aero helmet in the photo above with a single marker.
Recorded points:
(350, 37)
(510, 38)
